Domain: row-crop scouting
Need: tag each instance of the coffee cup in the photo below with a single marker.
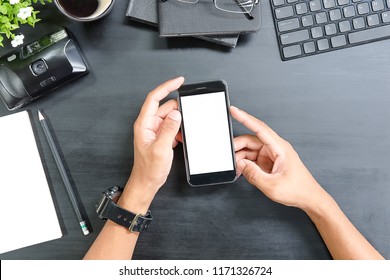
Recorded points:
(84, 10)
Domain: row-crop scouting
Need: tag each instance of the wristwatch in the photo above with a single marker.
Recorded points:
(108, 209)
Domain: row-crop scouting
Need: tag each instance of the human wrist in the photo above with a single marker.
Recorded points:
(137, 195)
(318, 204)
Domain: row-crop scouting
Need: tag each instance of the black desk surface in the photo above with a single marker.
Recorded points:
(333, 108)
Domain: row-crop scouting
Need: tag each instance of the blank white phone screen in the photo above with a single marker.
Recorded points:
(207, 133)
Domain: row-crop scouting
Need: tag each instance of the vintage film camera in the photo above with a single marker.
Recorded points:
(39, 67)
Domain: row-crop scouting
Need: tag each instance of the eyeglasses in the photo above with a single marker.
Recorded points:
(229, 6)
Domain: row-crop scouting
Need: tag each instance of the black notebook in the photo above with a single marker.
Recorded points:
(203, 18)
(145, 11)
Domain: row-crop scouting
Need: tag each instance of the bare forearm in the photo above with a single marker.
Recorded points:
(116, 241)
(113, 242)
(341, 237)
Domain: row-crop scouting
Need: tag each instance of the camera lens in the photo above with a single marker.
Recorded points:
(38, 67)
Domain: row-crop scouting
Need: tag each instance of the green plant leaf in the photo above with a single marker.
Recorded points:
(3, 10)
(4, 19)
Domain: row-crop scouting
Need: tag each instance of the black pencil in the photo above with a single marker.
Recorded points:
(63, 173)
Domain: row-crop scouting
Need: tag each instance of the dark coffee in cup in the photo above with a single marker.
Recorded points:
(84, 10)
(79, 8)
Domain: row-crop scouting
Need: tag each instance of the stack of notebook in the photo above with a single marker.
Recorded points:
(201, 20)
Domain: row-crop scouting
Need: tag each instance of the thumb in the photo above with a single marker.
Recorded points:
(169, 128)
(252, 172)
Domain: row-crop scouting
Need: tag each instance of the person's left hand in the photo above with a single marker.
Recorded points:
(155, 132)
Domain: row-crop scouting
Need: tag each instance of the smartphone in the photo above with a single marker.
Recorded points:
(207, 133)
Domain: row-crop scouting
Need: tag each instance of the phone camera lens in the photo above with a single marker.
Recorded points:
(38, 67)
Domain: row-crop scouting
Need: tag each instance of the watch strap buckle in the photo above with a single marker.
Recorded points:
(140, 223)
(134, 222)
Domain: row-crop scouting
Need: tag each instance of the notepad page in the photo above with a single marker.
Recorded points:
(27, 211)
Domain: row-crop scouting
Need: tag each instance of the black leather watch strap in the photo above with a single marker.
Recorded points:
(135, 223)
(108, 209)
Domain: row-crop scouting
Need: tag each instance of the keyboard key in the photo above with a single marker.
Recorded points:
(308, 20)
(354, 1)
(288, 24)
(363, 8)
(388, 4)
(349, 11)
(338, 41)
(321, 17)
(329, 4)
(315, 5)
(284, 12)
(358, 23)
(386, 17)
(377, 5)
(323, 44)
(294, 37)
(309, 47)
(291, 1)
(343, 2)
(278, 2)
(316, 32)
(369, 34)
(301, 8)
(335, 14)
(292, 51)
(373, 20)
(330, 29)
(344, 26)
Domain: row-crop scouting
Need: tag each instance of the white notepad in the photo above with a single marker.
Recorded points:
(27, 213)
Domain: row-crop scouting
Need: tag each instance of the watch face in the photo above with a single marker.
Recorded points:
(114, 193)
(101, 206)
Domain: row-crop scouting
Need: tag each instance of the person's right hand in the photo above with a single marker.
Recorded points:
(271, 164)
